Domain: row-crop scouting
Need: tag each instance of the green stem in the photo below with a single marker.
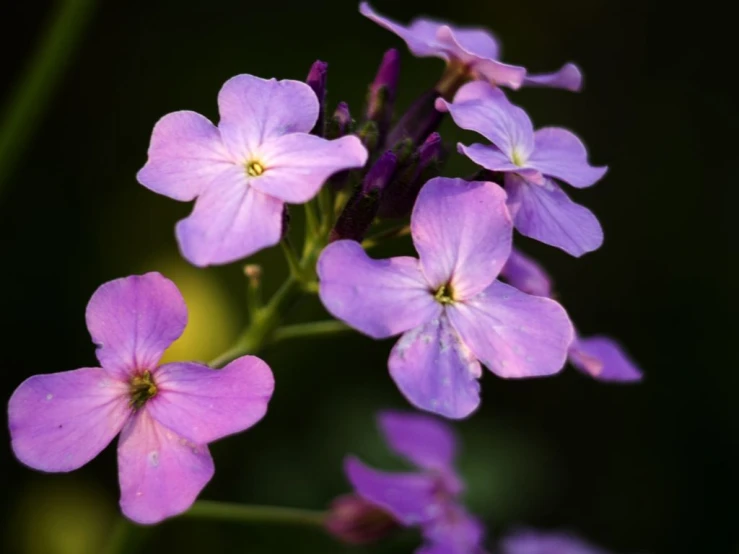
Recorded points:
(28, 101)
(292, 258)
(243, 513)
(314, 329)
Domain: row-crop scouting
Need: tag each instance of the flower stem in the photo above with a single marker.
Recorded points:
(28, 101)
(314, 329)
(243, 513)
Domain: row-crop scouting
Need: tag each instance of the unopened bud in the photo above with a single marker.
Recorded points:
(317, 81)
(340, 123)
(369, 134)
(382, 92)
(421, 119)
(253, 273)
(355, 521)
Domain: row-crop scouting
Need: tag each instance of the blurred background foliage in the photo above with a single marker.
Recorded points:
(649, 468)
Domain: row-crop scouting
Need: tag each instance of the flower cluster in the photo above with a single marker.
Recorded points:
(278, 144)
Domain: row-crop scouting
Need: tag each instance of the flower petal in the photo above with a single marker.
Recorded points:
(435, 371)
(61, 421)
(186, 153)
(133, 320)
(457, 532)
(526, 541)
(546, 213)
(203, 404)
(604, 359)
(410, 497)
(526, 275)
(514, 334)
(160, 473)
(254, 110)
(489, 157)
(425, 441)
(483, 108)
(559, 153)
(231, 220)
(380, 298)
(297, 165)
(568, 77)
(476, 55)
(420, 36)
(463, 233)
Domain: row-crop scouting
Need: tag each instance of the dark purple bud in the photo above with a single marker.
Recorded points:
(369, 135)
(382, 92)
(421, 119)
(317, 81)
(285, 221)
(340, 123)
(355, 521)
(400, 194)
(361, 208)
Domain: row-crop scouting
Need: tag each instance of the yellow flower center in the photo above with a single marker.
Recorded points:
(445, 294)
(254, 168)
(517, 158)
(142, 389)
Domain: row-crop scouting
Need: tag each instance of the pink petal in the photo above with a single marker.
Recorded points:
(435, 371)
(527, 275)
(568, 77)
(297, 165)
(463, 233)
(420, 36)
(604, 359)
(61, 421)
(255, 110)
(133, 320)
(160, 473)
(512, 333)
(479, 60)
(478, 41)
(546, 213)
(482, 108)
(409, 497)
(559, 153)
(203, 404)
(381, 298)
(424, 440)
(231, 221)
(186, 153)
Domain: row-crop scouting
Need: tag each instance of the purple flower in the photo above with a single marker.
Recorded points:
(452, 312)
(427, 498)
(166, 415)
(599, 357)
(474, 49)
(243, 171)
(531, 161)
(536, 542)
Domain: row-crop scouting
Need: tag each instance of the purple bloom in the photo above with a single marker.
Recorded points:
(260, 156)
(474, 49)
(166, 415)
(531, 161)
(535, 542)
(452, 312)
(599, 357)
(428, 497)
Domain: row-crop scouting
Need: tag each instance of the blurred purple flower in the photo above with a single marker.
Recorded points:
(452, 312)
(165, 414)
(537, 542)
(531, 161)
(599, 357)
(474, 49)
(243, 171)
(427, 498)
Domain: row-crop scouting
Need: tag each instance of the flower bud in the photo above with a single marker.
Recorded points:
(400, 194)
(421, 119)
(355, 521)
(369, 134)
(317, 81)
(382, 92)
(340, 123)
(361, 208)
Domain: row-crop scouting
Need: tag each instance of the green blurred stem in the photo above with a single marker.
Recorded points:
(314, 329)
(27, 103)
(243, 513)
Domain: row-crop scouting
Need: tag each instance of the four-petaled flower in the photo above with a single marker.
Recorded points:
(260, 156)
(531, 161)
(473, 50)
(429, 497)
(452, 312)
(551, 542)
(166, 415)
(599, 357)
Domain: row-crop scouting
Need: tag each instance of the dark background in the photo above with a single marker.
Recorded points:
(648, 468)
